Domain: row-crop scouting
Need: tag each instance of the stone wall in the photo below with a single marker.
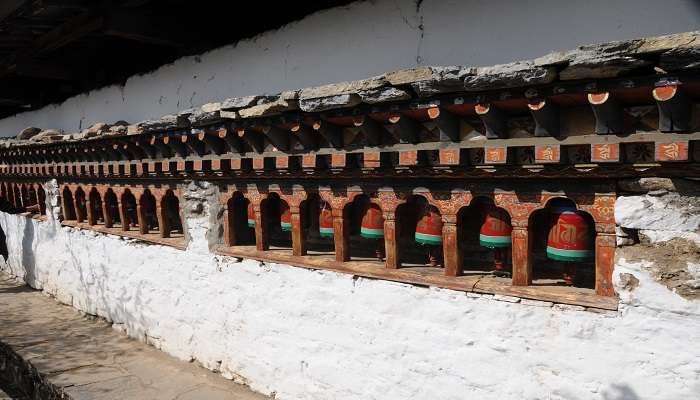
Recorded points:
(364, 39)
(298, 333)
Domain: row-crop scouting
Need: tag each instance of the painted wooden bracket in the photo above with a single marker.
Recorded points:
(446, 122)
(674, 108)
(372, 130)
(254, 139)
(146, 148)
(231, 139)
(494, 120)
(305, 135)
(212, 142)
(403, 128)
(546, 116)
(193, 144)
(332, 133)
(609, 116)
(164, 150)
(176, 145)
(276, 136)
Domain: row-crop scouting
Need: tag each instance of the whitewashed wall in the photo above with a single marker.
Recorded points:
(321, 335)
(362, 40)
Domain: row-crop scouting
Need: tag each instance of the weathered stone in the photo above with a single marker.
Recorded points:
(28, 133)
(407, 76)
(507, 299)
(336, 89)
(666, 42)
(444, 80)
(672, 212)
(596, 67)
(271, 108)
(509, 75)
(48, 135)
(680, 58)
(165, 122)
(568, 307)
(645, 185)
(330, 102)
(208, 114)
(382, 95)
(241, 102)
(628, 281)
(536, 303)
(211, 107)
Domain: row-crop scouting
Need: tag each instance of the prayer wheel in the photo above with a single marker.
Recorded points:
(251, 215)
(570, 240)
(372, 226)
(285, 217)
(325, 224)
(429, 227)
(495, 234)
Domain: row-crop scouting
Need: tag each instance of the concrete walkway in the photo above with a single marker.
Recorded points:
(87, 359)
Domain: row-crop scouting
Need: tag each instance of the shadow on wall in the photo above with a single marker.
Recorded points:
(620, 392)
(3, 244)
(28, 261)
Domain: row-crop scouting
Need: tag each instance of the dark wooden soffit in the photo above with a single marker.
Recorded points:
(53, 49)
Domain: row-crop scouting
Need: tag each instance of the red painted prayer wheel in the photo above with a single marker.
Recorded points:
(251, 215)
(372, 226)
(325, 224)
(496, 230)
(570, 236)
(285, 217)
(429, 227)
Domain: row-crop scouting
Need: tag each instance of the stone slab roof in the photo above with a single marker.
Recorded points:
(662, 54)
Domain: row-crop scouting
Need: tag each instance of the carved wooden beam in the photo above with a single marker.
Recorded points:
(546, 116)
(674, 108)
(372, 130)
(446, 122)
(494, 120)
(163, 149)
(332, 133)
(305, 135)
(232, 140)
(403, 128)
(212, 142)
(175, 143)
(193, 144)
(252, 138)
(276, 136)
(609, 117)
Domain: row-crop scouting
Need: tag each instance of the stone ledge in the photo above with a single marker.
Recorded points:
(176, 242)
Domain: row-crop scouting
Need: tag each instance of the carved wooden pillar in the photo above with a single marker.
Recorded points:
(106, 215)
(390, 241)
(452, 254)
(604, 263)
(140, 214)
(162, 216)
(341, 235)
(261, 243)
(298, 234)
(91, 217)
(123, 216)
(64, 207)
(79, 216)
(522, 263)
(229, 229)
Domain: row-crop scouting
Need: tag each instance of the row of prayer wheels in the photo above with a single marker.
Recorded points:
(569, 240)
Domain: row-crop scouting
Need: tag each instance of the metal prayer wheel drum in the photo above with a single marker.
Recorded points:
(285, 217)
(325, 223)
(372, 226)
(496, 230)
(429, 227)
(570, 236)
(251, 215)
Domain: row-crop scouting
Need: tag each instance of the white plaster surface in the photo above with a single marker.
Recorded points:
(305, 334)
(366, 39)
(670, 212)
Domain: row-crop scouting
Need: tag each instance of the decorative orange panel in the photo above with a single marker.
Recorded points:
(449, 156)
(371, 159)
(282, 162)
(258, 163)
(605, 152)
(495, 155)
(408, 157)
(308, 161)
(547, 154)
(673, 151)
